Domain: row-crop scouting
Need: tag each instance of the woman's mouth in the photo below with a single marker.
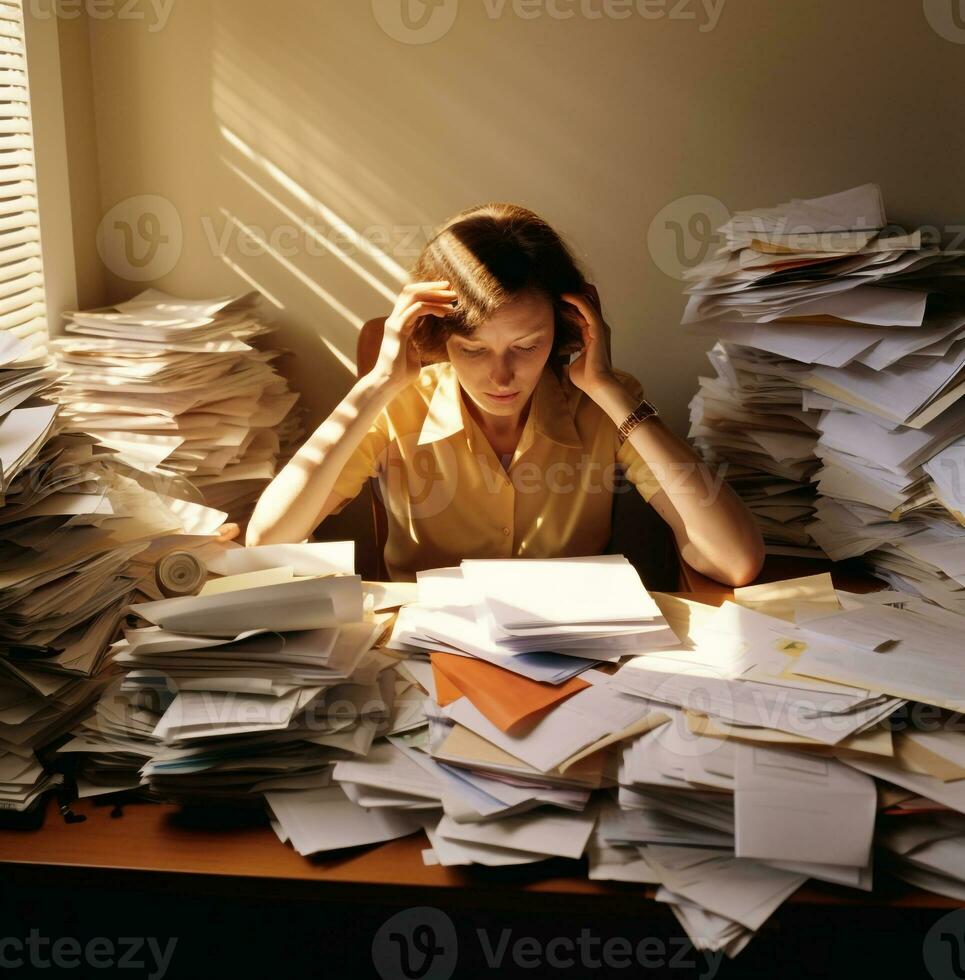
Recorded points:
(502, 398)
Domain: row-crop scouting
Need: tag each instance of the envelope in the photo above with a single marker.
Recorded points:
(464, 747)
(779, 598)
(505, 698)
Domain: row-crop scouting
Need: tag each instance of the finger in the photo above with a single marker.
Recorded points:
(593, 294)
(421, 287)
(574, 298)
(423, 308)
(441, 298)
(429, 292)
(581, 303)
(415, 291)
(590, 316)
(424, 305)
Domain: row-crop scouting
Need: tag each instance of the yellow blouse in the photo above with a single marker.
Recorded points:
(448, 497)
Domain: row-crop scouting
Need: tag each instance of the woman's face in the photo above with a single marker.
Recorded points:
(506, 354)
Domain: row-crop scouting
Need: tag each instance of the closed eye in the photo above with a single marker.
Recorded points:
(475, 352)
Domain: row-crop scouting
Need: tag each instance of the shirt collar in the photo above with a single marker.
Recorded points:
(550, 413)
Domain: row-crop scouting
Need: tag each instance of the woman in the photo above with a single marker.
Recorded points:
(498, 447)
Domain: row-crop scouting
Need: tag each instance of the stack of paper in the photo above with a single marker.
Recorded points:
(521, 726)
(747, 790)
(546, 619)
(510, 728)
(22, 780)
(110, 746)
(720, 765)
(748, 422)
(927, 850)
(74, 527)
(177, 389)
(837, 411)
(261, 681)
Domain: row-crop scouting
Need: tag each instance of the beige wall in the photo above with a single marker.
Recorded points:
(83, 168)
(621, 132)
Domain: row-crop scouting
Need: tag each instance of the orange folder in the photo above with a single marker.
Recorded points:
(505, 698)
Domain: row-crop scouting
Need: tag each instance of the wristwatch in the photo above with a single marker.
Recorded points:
(643, 411)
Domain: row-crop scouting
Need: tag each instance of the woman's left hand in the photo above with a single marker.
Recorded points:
(591, 371)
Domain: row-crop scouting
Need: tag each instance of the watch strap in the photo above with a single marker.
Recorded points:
(645, 410)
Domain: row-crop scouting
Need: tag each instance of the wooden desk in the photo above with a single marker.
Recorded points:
(847, 575)
(165, 841)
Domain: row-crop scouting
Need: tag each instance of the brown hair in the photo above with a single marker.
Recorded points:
(489, 254)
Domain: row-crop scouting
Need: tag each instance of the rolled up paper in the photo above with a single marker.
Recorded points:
(180, 573)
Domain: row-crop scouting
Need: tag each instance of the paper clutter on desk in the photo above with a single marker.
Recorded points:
(74, 525)
(229, 694)
(726, 764)
(177, 388)
(837, 409)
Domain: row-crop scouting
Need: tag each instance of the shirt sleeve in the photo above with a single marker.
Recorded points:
(634, 466)
(365, 462)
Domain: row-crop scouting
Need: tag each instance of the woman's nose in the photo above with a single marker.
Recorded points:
(502, 374)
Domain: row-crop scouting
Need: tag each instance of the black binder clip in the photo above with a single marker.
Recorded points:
(64, 799)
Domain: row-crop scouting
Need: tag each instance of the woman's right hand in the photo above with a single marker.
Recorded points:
(399, 362)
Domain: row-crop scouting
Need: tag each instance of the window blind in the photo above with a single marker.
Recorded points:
(22, 309)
